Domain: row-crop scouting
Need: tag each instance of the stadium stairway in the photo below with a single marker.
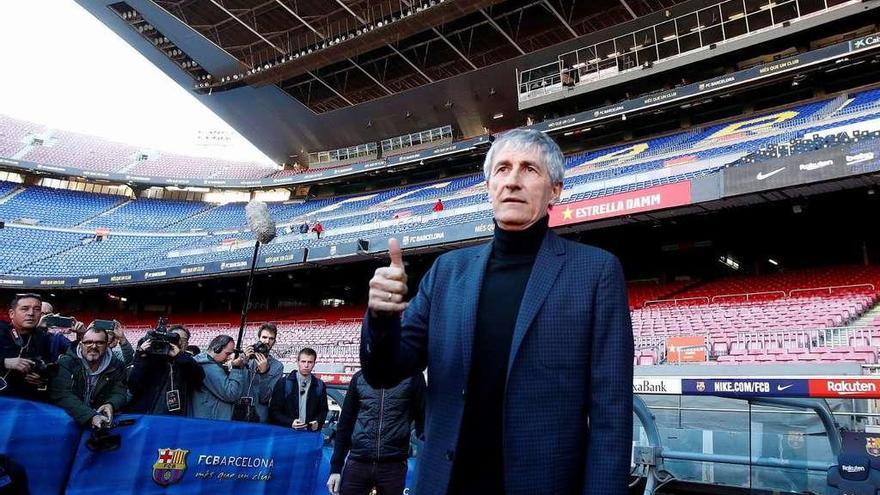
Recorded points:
(866, 318)
(13, 193)
(104, 213)
(194, 215)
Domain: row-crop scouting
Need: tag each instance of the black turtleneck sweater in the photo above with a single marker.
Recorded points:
(478, 463)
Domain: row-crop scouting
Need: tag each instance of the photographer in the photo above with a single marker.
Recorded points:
(221, 387)
(26, 351)
(163, 377)
(263, 371)
(90, 383)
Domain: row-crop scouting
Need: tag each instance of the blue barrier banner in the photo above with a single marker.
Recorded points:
(168, 455)
(746, 387)
(40, 438)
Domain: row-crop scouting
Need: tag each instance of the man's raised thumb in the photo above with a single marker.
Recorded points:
(395, 253)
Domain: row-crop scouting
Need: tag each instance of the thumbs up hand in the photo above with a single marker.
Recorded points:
(388, 285)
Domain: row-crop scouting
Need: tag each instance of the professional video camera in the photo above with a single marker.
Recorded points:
(161, 339)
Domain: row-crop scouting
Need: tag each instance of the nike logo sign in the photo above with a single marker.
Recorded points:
(762, 176)
(780, 388)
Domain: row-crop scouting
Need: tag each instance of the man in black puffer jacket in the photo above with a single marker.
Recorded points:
(373, 431)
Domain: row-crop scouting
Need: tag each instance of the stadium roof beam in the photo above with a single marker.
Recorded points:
(503, 33)
(347, 9)
(454, 48)
(233, 16)
(371, 77)
(300, 19)
(337, 93)
(556, 13)
(414, 66)
(629, 9)
(389, 45)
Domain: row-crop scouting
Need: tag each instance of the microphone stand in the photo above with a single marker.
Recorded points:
(247, 299)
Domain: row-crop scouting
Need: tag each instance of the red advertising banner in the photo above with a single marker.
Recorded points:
(615, 205)
(686, 349)
(860, 388)
(335, 378)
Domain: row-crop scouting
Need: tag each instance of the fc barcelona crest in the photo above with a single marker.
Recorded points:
(170, 466)
(701, 386)
(872, 446)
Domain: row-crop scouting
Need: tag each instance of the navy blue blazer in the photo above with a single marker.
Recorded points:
(568, 399)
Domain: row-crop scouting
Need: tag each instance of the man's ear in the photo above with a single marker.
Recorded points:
(557, 192)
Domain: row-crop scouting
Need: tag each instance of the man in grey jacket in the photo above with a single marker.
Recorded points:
(221, 386)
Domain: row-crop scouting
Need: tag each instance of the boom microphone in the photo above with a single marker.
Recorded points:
(261, 224)
(259, 221)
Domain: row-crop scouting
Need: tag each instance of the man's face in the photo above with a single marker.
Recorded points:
(26, 314)
(305, 363)
(267, 338)
(47, 308)
(519, 188)
(225, 354)
(184, 340)
(93, 346)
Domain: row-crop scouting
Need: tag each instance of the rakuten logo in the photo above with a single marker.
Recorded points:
(852, 469)
(855, 387)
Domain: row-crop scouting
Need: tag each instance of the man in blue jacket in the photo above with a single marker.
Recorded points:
(507, 330)
(221, 386)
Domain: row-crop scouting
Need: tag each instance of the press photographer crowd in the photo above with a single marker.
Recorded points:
(100, 373)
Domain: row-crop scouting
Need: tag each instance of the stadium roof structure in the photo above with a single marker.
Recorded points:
(324, 74)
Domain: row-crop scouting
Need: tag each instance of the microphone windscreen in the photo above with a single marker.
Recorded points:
(259, 221)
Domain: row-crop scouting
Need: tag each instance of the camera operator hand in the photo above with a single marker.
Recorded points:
(119, 331)
(78, 327)
(34, 379)
(107, 411)
(42, 322)
(19, 364)
(242, 359)
(262, 363)
(145, 345)
(99, 420)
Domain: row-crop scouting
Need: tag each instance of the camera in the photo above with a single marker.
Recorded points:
(161, 339)
(56, 321)
(261, 348)
(105, 325)
(40, 367)
(103, 439)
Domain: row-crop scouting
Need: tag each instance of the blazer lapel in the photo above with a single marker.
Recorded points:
(547, 266)
(471, 283)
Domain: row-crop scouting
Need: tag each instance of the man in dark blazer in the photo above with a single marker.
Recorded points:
(287, 408)
(527, 341)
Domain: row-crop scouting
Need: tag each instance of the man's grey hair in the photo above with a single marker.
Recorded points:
(529, 139)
